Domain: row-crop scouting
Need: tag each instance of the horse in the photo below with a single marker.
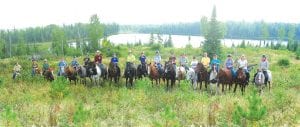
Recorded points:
(142, 71)
(213, 78)
(259, 81)
(192, 77)
(202, 75)
(154, 74)
(113, 72)
(224, 77)
(181, 72)
(170, 74)
(94, 73)
(103, 71)
(48, 75)
(38, 71)
(240, 80)
(130, 73)
(82, 72)
(268, 81)
(71, 74)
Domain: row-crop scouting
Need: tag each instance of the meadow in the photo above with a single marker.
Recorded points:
(32, 101)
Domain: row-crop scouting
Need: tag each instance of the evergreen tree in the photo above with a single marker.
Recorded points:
(212, 43)
(151, 41)
(264, 32)
(169, 42)
(291, 37)
(96, 30)
(59, 44)
(281, 35)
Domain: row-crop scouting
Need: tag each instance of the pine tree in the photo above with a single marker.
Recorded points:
(151, 41)
(291, 38)
(212, 43)
(96, 30)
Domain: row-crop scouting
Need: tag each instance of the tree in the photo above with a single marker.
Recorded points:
(291, 36)
(204, 26)
(264, 32)
(151, 41)
(96, 30)
(59, 45)
(212, 43)
(281, 35)
(169, 42)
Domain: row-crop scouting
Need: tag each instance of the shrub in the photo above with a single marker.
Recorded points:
(283, 62)
(298, 54)
(80, 115)
(8, 115)
(156, 46)
(59, 88)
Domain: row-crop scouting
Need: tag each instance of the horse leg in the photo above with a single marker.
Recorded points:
(235, 87)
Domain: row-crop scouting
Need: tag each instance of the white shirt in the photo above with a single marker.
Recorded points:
(194, 63)
(242, 64)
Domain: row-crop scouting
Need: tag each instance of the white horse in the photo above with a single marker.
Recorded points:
(213, 80)
(95, 77)
(192, 77)
(259, 81)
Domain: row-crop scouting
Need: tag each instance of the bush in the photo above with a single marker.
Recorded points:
(298, 54)
(59, 88)
(283, 62)
(156, 46)
(81, 115)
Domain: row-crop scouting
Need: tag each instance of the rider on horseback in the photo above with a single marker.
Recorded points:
(130, 61)
(183, 61)
(172, 59)
(86, 60)
(45, 66)
(229, 65)
(205, 60)
(74, 63)
(115, 61)
(98, 58)
(62, 64)
(215, 61)
(143, 59)
(17, 69)
(157, 60)
(243, 63)
(264, 66)
(34, 67)
(194, 63)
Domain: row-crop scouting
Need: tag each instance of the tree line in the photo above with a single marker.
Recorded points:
(23, 41)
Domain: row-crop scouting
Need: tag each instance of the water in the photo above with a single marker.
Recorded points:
(180, 41)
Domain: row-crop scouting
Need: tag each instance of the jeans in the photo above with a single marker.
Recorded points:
(266, 77)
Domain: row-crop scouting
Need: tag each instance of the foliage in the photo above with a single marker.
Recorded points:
(169, 42)
(1, 81)
(59, 45)
(8, 115)
(212, 43)
(95, 32)
(264, 31)
(283, 62)
(169, 117)
(243, 44)
(256, 111)
(291, 38)
(298, 54)
(156, 46)
(59, 88)
(80, 115)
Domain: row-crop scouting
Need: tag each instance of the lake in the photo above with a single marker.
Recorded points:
(180, 41)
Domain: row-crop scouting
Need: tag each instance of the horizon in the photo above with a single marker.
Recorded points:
(34, 13)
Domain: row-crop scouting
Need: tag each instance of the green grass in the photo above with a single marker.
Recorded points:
(30, 102)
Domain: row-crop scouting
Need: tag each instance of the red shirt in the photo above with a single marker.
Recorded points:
(98, 58)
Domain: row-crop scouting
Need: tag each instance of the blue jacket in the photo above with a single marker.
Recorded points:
(114, 60)
(143, 59)
(62, 64)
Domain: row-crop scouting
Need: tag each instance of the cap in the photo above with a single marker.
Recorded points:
(97, 51)
(229, 55)
(45, 60)
(157, 51)
(264, 56)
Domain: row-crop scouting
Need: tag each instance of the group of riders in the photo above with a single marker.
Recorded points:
(208, 63)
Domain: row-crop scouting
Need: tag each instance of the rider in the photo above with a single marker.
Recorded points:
(183, 61)
(34, 67)
(98, 58)
(74, 63)
(17, 69)
(62, 64)
(157, 60)
(229, 65)
(243, 63)
(172, 59)
(45, 66)
(115, 61)
(205, 60)
(143, 59)
(194, 63)
(130, 60)
(215, 61)
(86, 60)
(264, 66)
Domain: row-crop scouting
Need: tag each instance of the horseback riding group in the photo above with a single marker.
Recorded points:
(206, 71)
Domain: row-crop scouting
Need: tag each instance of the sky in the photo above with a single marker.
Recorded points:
(31, 13)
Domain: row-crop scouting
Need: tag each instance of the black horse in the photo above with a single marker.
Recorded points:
(113, 72)
(130, 73)
(142, 71)
(170, 75)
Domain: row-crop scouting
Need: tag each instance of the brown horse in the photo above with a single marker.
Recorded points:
(181, 72)
(113, 72)
(170, 75)
(38, 71)
(202, 75)
(48, 75)
(225, 78)
(240, 80)
(154, 74)
(71, 74)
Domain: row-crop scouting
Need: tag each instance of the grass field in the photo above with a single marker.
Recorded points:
(32, 101)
